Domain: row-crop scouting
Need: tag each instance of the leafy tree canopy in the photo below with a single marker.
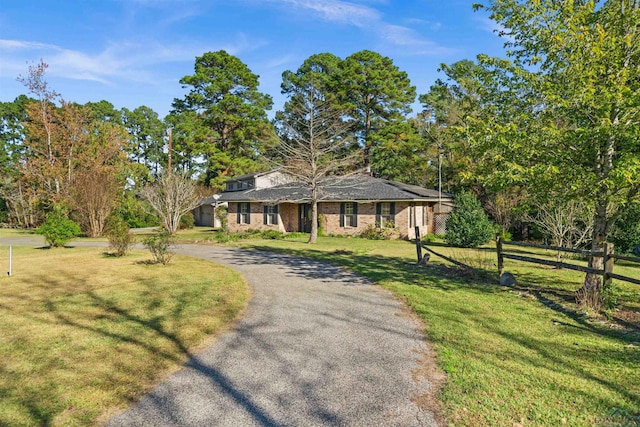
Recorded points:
(226, 113)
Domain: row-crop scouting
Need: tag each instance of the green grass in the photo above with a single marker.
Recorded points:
(512, 356)
(15, 232)
(83, 334)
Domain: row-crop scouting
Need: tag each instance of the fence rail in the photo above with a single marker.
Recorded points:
(606, 254)
(552, 263)
(554, 248)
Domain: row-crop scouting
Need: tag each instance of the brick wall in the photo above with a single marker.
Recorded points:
(288, 216)
(330, 218)
(256, 222)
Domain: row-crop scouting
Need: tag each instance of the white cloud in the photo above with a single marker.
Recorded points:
(334, 10)
(128, 61)
(19, 45)
(411, 41)
(280, 61)
(365, 18)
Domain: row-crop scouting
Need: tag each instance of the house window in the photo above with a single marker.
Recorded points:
(348, 214)
(244, 216)
(385, 213)
(271, 214)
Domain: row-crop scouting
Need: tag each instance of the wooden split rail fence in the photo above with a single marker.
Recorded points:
(607, 254)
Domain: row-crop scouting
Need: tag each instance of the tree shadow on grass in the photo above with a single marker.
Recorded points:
(564, 357)
(438, 276)
(77, 314)
(329, 265)
(562, 300)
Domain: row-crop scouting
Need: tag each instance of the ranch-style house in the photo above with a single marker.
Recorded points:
(347, 206)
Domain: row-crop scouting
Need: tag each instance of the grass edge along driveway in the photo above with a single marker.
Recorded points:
(510, 360)
(83, 334)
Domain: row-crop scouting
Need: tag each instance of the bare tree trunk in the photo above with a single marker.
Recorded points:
(313, 237)
(590, 294)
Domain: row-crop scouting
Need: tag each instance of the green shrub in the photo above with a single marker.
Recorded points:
(626, 232)
(222, 215)
(468, 226)
(429, 238)
(227, 237)
(322, 224)
(187, 221)
(135, 212)
(272, 234)
(375, 232)
(159, 244)
(120, 236)
(58, 229)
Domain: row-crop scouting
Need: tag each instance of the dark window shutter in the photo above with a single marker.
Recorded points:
(341, 214)
(239, 207)
(378, 214)
(248, 213)
(355, 214)
(392, 211)
(275, 214)
(266, 212)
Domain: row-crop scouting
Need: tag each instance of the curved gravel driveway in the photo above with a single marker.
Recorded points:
(317, 346)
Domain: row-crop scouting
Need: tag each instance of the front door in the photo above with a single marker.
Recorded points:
(304, 218)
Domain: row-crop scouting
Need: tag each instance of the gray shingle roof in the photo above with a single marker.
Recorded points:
(353, 188)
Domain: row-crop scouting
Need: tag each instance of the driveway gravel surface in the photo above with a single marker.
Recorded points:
(317, 346)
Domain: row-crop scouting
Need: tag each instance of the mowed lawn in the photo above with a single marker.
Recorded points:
(513, 357)
(83, 334)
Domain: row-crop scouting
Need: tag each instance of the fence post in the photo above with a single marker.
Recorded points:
(418, 244)
(500, 258)
(10, 272)
(607, 264)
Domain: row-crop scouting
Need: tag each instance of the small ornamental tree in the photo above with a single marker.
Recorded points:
(58, 229)
(160, 244)
(171, 196)
(468, 225)
(120, 236)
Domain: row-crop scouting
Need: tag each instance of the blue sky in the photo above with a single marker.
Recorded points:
(134, 52)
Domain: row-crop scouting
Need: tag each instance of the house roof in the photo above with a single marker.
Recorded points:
(252, 175)
(208, 201)
(360, 188)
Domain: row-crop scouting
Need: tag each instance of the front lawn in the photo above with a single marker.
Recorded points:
(82, 334)
(512, 356)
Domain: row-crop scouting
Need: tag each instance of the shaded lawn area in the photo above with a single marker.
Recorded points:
(83, 334)
(512, 358)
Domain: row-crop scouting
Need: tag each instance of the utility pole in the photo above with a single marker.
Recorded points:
(439, 177)
(170, 148)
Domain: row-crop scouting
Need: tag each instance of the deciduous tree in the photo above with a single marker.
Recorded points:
(99, 183)
(314, 145)
(576, 65)
(171, 196)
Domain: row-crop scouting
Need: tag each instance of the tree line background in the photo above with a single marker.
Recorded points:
(548, 135)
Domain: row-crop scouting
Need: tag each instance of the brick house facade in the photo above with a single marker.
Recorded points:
(344, 209)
